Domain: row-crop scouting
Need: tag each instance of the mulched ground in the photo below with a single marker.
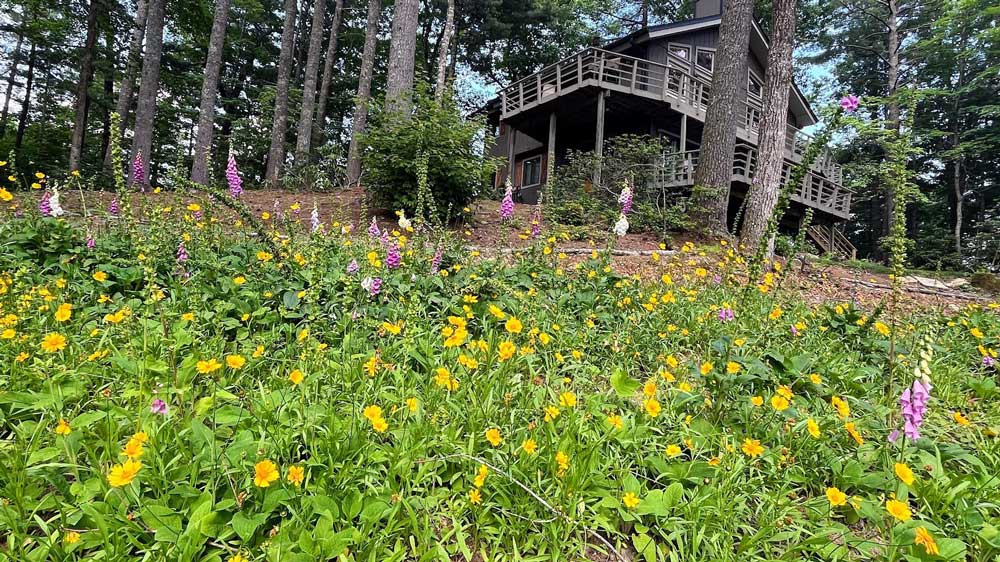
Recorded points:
(482, 228)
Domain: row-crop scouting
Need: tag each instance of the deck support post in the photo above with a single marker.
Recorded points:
(684, 133)
(511, 133)
(550, 161)
(599, 138)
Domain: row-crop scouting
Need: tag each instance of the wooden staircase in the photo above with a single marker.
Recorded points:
(832, 241)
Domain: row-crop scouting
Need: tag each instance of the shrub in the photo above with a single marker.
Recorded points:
(457, 166)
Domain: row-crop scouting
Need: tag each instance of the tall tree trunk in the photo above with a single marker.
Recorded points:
(11, 78)
(773, 125)
(710, 198)
(304, 139)
(360, 117)
(892, 110)
(108, 72)
(149, 86)
(443, 52)
(956, 140)
(127, 87)
(402, 50)
(276, 155)
(22, 121)
(319, 125)
(209, 89)
(83, 88)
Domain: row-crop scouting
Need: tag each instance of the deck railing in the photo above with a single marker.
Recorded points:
(677, 170)
(672, 82)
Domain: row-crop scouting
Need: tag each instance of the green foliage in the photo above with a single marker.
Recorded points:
(638, 160)
(218, 336)
(437, 134)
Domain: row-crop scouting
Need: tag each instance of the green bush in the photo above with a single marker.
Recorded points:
(457, 165)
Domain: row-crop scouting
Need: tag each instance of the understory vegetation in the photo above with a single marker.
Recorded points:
(185, 387)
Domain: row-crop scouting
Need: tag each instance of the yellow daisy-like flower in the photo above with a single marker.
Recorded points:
(63, 428)
(567, 399)
(904, 473)
(652, 407)
(925, 539)
(235, 361)
(733, 367)
(673, 450)
(133, 449)
(813, 428)
(475, 496)
(122, 474)
(836, 497)
(296, 377)
(264, 473)
(757, 401)
(210, 366)
(630, 500)
(529, 446)
(100, 276)
(493, 436)
(64, 312)
(779, 403)
(899, 510)
(960, 419)
(296, 475)
(53, 343)
(752, 448)
(513, 325)
(506, 350)
(706, 367)
(615, 421)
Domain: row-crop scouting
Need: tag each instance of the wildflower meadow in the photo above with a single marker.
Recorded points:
(189, 383)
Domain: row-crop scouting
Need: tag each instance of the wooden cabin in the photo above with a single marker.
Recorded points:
(656, 82)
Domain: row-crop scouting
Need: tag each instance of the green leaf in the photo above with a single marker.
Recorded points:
(246, 525)
(623, 384)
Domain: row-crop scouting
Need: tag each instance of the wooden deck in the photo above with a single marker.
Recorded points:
(675, 85)
(816, 191)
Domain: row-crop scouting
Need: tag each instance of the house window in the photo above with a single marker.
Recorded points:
(531, 171)
(705, 59)
(679, 51)
(755, 86)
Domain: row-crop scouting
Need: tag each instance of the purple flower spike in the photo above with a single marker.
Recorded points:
(726, 314)
(139, 170)
(91, 243)
(392, 257)
(436, 261)
(114, 209)
(158, 407)
(850, 103)
(507, 204)
(43, 205)
(353, 267)
(913, 403)
(988, 361)
(625, 199)
(182, 255)
(233, 178)
(373, 230)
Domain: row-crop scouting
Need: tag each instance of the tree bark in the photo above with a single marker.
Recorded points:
(773, 125)
(956, 139)
(304, 139)
(319, 125)
(710, 197)
(402, 50)
(276, 155)
(443, 52)
(209, 91)
(22, 121)
(149, 86)
(131, 68)
(360, 117)
(108, 72)
(83, 88)
(892, 111)
(11, 78)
